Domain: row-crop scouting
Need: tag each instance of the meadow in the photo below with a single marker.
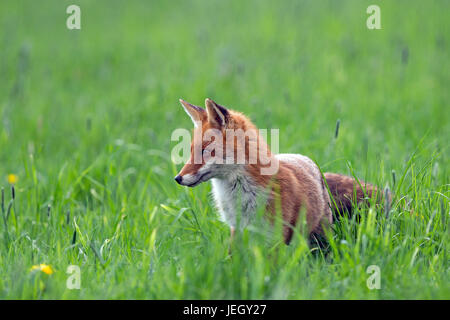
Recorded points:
(86, 118)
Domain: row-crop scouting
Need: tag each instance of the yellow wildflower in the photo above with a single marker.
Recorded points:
(12, 178)
(43, 267)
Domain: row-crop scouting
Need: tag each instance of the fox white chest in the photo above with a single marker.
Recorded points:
(235, 196)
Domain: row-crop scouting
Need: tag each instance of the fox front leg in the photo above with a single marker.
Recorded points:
(232, 232)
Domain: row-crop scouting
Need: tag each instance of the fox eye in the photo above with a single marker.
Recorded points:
(204, 148)
(211, 153)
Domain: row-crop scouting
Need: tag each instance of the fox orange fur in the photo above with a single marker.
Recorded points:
(297, 185)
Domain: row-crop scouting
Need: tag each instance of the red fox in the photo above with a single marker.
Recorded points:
(239, 178)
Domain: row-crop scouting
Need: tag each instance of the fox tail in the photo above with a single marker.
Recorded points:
(348, 193)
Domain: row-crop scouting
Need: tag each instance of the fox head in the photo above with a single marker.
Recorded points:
(225, 142)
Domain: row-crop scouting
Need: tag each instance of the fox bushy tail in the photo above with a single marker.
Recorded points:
(348, 193)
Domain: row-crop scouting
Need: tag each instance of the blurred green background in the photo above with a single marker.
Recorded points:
(86, 118)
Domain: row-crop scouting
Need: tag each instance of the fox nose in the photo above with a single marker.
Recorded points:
(178, 179)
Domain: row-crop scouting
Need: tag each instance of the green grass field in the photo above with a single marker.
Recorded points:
(86, 119)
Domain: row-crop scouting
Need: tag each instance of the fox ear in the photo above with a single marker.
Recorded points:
(217, 115)
(197, 114)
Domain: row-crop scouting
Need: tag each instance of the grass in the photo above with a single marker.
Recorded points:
(86, 118)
